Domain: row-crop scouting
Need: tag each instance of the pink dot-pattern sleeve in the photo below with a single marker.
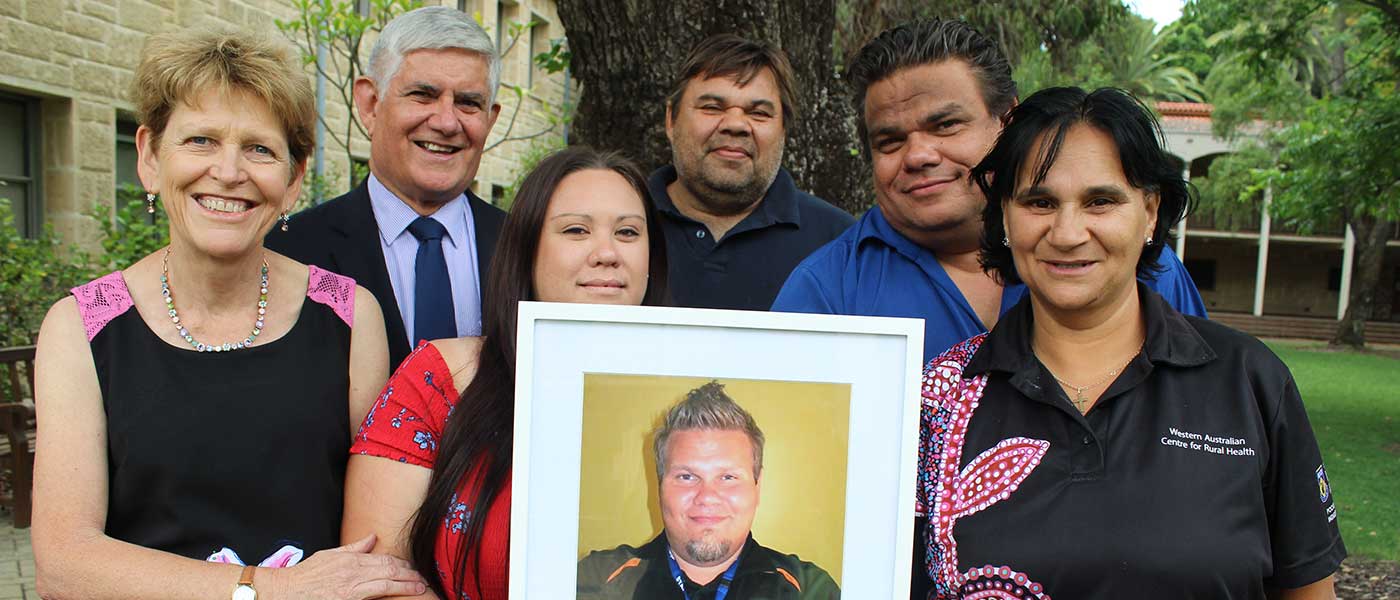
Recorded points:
(407, 419)
(333, 290)
(101, 300)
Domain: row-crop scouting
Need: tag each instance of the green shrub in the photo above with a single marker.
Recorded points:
(131, 233)
(34, 273)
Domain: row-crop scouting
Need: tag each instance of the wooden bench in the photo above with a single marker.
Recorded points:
(17, 431)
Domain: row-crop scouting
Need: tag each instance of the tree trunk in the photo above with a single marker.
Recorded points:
(1371, 236)
(626, 52)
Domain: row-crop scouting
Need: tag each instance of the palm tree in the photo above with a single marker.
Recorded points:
(1126, 54)
(1141, 67)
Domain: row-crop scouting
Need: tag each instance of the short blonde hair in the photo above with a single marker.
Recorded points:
(706, 408)
(175, 67)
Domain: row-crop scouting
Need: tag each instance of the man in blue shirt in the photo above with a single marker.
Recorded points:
(931, 96)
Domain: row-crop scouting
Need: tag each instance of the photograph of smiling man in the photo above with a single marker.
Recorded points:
(692, 487)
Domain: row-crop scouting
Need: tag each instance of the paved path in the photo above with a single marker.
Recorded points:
(16, 562)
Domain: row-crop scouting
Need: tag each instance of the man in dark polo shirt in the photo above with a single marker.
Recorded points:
(735, 223)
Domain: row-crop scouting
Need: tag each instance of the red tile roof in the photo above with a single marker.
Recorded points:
(1184, 109)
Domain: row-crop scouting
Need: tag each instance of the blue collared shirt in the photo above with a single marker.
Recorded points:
(873, 270)
(401, 250)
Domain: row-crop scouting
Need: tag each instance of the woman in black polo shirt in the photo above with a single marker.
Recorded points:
(1096, 443)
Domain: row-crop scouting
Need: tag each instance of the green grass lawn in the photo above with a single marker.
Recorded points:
(1353, 401)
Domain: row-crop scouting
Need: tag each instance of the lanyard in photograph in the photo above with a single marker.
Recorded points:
(724, 579)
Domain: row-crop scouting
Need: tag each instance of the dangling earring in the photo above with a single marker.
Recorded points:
(150, 203)
(285, 218)
(1005, 241)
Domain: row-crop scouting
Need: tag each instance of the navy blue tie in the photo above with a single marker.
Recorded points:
(433, 315)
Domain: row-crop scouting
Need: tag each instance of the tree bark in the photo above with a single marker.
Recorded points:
(626, 52)
(1371, 236)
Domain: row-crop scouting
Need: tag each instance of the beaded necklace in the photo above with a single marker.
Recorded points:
(185, 333)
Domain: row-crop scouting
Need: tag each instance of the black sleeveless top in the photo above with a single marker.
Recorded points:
(240, 451)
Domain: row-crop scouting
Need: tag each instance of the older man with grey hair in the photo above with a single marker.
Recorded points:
(709, 458)
(413, 233)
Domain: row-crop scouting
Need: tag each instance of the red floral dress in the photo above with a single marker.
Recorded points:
(405, 424)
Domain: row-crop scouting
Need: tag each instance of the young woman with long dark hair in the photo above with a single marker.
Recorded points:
(430, 473)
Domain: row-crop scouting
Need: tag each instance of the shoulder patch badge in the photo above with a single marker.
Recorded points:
(1324, 489)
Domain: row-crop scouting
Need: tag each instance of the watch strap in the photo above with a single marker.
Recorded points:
(247, 577)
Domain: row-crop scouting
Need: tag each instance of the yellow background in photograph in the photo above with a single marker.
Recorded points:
(801, 507)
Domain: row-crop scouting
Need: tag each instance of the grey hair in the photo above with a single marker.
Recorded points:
(430, 28)
(707, 408)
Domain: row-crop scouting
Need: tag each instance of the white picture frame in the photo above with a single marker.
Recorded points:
(879, 357)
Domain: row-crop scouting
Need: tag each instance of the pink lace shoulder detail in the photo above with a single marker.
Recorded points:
(101, 300)
(333, 290)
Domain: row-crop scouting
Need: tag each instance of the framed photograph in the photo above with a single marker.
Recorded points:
(615, 488)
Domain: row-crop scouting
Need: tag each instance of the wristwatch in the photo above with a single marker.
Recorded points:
(245, 590)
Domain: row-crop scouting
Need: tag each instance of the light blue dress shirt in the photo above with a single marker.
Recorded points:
(401, 249)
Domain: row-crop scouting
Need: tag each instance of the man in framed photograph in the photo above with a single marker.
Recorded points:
(709, 462)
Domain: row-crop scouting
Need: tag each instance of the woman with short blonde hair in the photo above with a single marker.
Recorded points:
(195, 408)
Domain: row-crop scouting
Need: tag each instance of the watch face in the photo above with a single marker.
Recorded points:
(244, 592)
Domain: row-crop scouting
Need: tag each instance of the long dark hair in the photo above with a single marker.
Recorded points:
(476, 442)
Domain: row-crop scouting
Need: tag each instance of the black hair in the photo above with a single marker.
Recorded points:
(476, 441)
(928, 41)
(1034, 133)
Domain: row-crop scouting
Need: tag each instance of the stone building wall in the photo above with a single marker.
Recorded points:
(74, 59)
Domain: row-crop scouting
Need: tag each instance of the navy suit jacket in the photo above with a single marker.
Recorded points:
(342, 236)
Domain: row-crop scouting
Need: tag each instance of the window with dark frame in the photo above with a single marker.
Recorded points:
(500, 25)
(19, 161)
(126, 175)
(126, 153)
(1334, 279)
(1202, 272)
(506, 13)
(539, 42)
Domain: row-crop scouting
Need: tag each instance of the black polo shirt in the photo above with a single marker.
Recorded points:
(1196, 475)
(627, 573)
(748, 266)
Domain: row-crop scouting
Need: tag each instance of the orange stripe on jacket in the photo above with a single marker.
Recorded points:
(627, 565)
(789, 578)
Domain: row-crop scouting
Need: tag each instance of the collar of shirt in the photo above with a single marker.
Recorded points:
(874, 227)
(877, 227)
(1170, 341)
(778, 205)
(394, 215)
(655, 550)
